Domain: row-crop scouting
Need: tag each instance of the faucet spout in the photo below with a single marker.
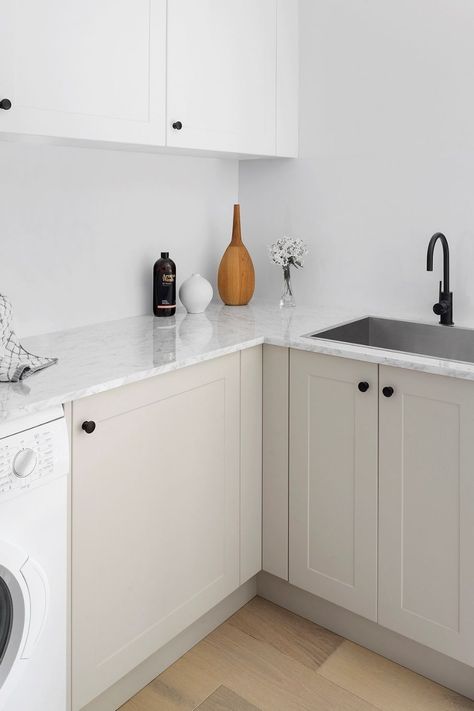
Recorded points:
(429, 258)
(444, 308)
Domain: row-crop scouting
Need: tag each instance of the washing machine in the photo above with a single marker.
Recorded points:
(34, 464)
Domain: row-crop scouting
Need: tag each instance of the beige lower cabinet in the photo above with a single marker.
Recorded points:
(408, 441)
(250, 463)
(333, 479)
(426, 557)
(275, 460)
(156, 527)
(167, 501)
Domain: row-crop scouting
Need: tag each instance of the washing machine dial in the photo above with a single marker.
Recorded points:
(24, 463)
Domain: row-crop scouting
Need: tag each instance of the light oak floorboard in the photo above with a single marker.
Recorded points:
(272, 680)
(272, 660)
(265, 677)
(223, 699)
(387, 685)
(181, 687)
(300, 639)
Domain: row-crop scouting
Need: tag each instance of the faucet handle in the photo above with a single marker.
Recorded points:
(441, 308)
(444, 308)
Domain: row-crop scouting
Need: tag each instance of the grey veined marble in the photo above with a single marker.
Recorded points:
(106, 355)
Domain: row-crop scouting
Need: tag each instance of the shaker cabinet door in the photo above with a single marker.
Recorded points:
(333, 479)
(426, 578)
(222, 65)
(94, 69)
(155, 532)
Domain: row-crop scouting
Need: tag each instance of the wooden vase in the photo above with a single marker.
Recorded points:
(236, 277)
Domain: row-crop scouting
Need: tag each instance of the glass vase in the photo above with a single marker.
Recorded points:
(287, 299)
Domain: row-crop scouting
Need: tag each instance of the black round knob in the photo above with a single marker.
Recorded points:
(88, 426)
(363, 386)
(441, 308)
(5, 104)
(177, 125)
(388, 391)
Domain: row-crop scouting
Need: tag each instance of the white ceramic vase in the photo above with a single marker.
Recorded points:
(195, 294)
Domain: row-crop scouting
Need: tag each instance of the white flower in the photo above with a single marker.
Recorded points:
(287, 251)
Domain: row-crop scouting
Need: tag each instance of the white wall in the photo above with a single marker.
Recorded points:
(387, 158)
(81, 228)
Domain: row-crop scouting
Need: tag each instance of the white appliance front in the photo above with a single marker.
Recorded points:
(33, 565)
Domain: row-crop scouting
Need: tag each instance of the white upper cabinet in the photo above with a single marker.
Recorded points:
(94, 69)
(222, 75)
(287, 79)
(125, 71)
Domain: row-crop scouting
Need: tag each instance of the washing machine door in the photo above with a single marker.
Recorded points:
(23, 605)
(6, 617)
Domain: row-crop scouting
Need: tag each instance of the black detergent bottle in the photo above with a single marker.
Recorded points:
(164, 286)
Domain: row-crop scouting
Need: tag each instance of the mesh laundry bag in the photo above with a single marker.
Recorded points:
(15, 362)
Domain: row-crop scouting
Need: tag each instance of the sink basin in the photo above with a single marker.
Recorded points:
(436, 341)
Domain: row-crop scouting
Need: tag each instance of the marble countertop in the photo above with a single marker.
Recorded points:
(106, 355)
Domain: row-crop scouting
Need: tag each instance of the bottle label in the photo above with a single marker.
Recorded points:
(167, 296)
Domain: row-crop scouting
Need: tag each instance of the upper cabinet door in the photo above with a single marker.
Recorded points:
(84, 70)
(333, 479)
(426, 573)
(222, 64)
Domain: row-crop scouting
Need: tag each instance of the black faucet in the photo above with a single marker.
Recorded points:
(444, 307)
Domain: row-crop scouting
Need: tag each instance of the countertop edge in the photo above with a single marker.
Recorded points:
(140, 335)
(379, 356)
(423, 364)
(136, 377)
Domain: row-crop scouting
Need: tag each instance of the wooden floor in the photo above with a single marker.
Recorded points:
(266, 658)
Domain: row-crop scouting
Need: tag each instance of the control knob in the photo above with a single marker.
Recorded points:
(24, 463)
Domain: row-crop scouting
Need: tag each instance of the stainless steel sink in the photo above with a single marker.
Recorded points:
(436, 341)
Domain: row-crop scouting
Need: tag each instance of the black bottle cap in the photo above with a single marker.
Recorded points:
(165, 255)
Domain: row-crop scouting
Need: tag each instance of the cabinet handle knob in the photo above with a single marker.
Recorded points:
(177, 125)
(88, 426)
(363, 386)
(5, 104)
(388, 391)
